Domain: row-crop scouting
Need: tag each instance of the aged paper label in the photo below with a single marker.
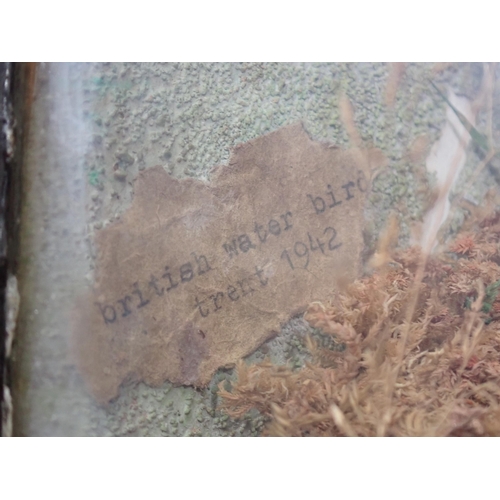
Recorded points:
(194, 276)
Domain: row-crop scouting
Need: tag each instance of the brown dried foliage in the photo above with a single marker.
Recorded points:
(437, 376)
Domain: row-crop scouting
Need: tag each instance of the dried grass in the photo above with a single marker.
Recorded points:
(421, 358)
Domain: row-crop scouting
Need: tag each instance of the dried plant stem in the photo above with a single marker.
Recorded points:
(488, 89)
(489, 156)
(347, 117)
(341, 422)
(426, 251)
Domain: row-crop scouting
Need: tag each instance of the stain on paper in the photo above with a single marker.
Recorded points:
(196, 275)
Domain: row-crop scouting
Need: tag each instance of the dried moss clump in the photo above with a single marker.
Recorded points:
(421, 358)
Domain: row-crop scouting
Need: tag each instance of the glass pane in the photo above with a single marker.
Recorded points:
(178, 218)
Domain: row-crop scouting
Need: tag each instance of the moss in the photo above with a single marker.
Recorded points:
(407, 339)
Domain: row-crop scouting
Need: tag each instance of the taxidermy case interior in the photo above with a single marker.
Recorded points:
(259, 249)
